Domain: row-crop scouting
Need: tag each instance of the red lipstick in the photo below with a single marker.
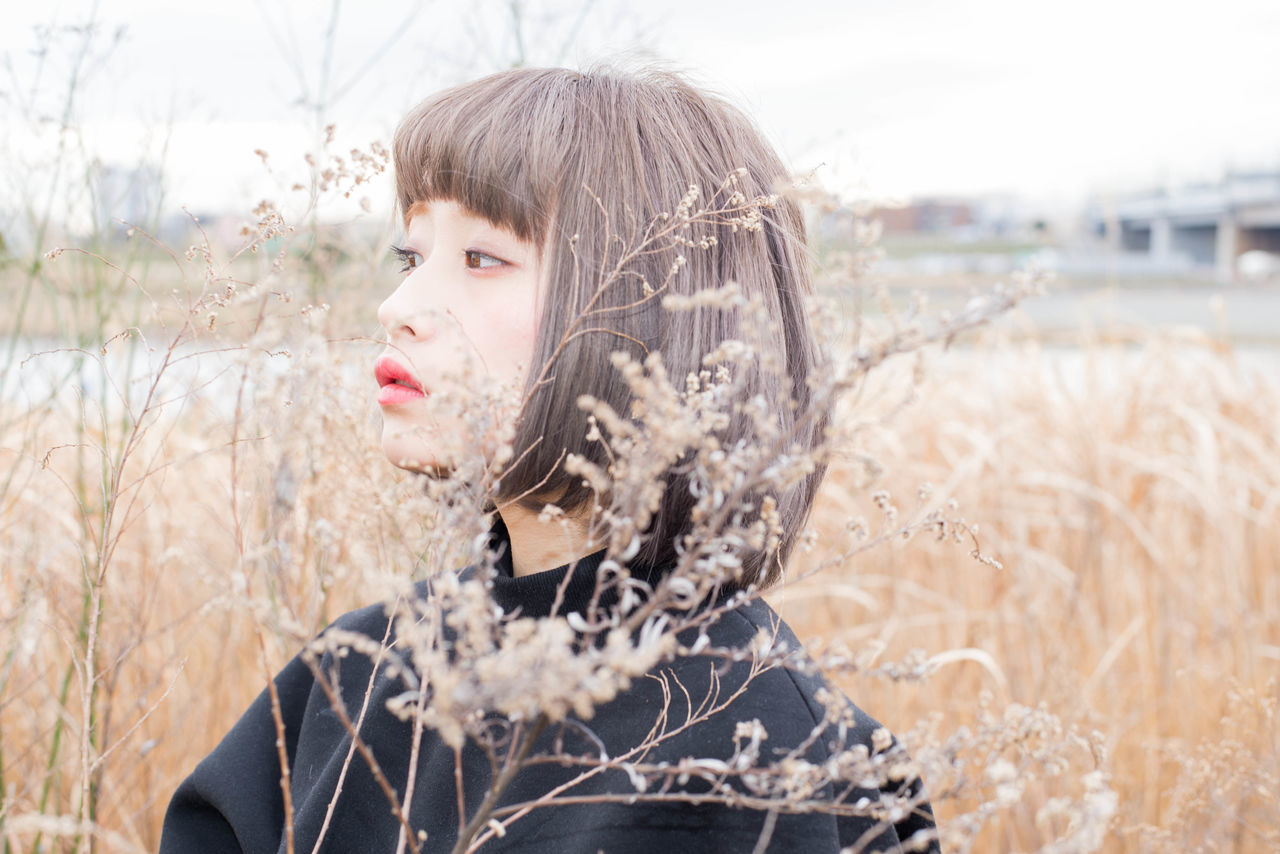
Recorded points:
(397, 384)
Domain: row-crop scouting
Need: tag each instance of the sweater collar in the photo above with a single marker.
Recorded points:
(534, 595)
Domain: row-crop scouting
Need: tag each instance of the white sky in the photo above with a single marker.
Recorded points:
(1046, 100)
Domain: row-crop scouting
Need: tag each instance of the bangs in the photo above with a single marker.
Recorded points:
(491, 146)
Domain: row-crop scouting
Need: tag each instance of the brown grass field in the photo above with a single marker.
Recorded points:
(191, 485)
(1134, 508)
(1129, 491)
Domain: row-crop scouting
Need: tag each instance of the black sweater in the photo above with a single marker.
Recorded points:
(233, 801)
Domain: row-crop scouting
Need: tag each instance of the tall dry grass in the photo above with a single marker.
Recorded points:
(157, 563)
(166, 536)
(1130, 494)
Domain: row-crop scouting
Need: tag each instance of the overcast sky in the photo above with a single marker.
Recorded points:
(1046, 100)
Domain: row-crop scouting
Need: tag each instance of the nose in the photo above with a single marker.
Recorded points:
(403, 317)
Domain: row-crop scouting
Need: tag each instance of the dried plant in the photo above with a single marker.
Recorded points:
(222, 500)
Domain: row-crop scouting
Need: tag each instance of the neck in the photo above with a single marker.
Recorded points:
(537, 546)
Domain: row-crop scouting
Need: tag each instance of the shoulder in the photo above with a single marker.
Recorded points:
(834, 728)
(743, 719)
(373, 619)
(743, 665)
(783, 669)
(376, 621)
(232, 799)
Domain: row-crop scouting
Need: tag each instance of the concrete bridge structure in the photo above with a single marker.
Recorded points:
(1200, 227)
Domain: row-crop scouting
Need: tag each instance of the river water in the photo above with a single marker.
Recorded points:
(1246, 315)
(44, 371)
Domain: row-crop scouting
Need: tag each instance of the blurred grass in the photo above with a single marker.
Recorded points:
(1134, 501)
(1132, 498)
(1131, 494)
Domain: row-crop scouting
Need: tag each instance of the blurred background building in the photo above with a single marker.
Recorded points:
(1231, 227)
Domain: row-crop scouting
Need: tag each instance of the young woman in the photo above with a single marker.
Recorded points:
(625, 689)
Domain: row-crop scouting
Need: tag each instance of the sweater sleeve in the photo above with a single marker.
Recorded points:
(232, 801)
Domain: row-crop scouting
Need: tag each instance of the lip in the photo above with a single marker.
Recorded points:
(396, 383)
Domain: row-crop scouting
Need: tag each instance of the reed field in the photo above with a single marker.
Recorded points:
(169, 536)
(1052, 569)
(1133, 507)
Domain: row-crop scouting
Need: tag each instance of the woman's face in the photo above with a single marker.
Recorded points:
(460, 335)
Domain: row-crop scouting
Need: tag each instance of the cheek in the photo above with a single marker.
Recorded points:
(513, 337)
(523, 338)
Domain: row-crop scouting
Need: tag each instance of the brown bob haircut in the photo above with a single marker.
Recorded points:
(580, 163)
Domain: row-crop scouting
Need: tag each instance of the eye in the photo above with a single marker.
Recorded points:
(477, 260)
(409, 259)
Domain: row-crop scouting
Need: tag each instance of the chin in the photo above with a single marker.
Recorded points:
(408, 452)
(438, 451)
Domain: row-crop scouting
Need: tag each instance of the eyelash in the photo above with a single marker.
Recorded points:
(406, 257)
